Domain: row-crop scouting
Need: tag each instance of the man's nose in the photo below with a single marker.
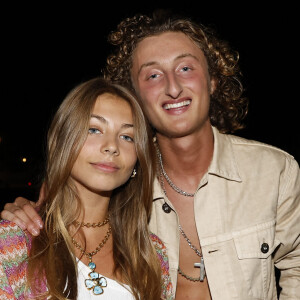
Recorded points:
(173, 86)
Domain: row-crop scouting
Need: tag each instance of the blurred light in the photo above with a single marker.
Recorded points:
(29, 183)
(0, 139)
(24, 159)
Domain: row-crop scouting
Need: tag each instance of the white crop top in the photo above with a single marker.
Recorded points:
(113, 290)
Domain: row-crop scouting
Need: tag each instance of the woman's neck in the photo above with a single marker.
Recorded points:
(94, 206)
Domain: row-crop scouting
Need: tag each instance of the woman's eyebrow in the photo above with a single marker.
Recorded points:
(100, 118)
(103, 120)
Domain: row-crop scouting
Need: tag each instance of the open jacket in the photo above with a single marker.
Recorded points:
(247, 214)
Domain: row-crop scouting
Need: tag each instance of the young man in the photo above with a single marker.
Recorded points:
(227, 208)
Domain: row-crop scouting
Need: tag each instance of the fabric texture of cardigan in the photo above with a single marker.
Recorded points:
(15, 245)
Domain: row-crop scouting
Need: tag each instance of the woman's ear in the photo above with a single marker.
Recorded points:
(213, 85)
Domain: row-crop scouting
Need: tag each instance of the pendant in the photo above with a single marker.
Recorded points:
(96, 283)
(202, 268)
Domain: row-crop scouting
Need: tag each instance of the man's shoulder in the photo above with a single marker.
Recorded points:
(257, 147)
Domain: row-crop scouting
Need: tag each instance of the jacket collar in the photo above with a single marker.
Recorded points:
(223, 163)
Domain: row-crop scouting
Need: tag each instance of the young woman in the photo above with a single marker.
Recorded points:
(98, 198)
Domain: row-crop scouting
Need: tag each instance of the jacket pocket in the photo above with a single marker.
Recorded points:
(254, 247)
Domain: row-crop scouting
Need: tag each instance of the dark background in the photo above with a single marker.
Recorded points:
(48, 49)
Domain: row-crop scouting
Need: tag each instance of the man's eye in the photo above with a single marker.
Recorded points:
(127, 138)
(153, 76)
(94, 131)
(186, 69)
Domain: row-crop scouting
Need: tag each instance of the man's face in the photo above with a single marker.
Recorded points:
(170, 75)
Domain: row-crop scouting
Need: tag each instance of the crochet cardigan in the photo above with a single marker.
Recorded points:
(15, 245)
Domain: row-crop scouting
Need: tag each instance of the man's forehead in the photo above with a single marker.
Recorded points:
(166, 46)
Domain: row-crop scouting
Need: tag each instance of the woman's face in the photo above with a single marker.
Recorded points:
(108, 156)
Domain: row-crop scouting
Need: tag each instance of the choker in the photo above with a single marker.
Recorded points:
(93, 225)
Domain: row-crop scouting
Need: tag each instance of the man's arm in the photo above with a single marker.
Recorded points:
(287, 257)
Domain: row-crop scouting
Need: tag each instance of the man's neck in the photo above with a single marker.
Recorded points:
(187, 156)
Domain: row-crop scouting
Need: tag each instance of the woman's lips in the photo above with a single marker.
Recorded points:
(106, 166)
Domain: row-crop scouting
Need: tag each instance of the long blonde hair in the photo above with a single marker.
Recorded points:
(52, 256)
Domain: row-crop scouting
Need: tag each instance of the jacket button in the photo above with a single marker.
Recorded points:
(166, 208)
(264, 248)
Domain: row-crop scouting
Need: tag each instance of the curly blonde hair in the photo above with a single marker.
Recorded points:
(228, 107)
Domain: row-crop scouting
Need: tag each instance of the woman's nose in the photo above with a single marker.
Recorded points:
(110, 147)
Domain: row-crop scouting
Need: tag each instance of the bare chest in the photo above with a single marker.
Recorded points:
(191, 282)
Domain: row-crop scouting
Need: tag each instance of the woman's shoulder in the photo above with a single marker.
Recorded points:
(14, 250)
(8, 225)
(8, 228)
(13, 238)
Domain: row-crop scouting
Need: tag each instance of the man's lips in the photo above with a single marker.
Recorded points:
(175, 105)
(106, 166)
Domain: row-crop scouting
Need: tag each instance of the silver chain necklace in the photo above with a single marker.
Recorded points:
(199, 253)
(172, 185)
(196, 265)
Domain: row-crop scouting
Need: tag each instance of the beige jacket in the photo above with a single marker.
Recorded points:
(250, 196)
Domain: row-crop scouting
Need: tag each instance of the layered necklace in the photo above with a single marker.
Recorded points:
(95, 282)
(169, 181)
(93, 225)
(162, 175)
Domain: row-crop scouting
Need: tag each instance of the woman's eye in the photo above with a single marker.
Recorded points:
(127, 138)
(94, 131)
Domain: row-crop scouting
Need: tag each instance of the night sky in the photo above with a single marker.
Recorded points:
(47, 50)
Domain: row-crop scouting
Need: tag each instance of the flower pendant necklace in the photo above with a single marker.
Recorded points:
(95, 282)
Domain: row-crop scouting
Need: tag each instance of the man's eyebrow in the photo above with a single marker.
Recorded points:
(186, 55)
(103, 120)
(151, 63)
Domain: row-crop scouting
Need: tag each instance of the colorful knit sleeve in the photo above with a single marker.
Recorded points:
(161, 251)
(14, 249)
